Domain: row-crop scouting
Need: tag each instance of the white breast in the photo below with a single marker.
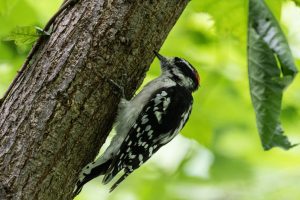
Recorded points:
(129, 111)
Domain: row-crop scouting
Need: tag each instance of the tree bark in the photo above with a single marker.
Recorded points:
(60, 110)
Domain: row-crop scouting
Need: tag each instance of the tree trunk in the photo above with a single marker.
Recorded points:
(61, 108)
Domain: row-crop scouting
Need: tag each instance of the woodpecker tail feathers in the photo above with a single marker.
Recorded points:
(91, 171)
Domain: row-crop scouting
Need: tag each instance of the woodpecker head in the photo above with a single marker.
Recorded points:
(180, 70)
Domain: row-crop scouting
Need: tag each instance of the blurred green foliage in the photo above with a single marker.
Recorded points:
(220, 156)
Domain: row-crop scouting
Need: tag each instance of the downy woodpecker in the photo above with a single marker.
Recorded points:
(148, 121)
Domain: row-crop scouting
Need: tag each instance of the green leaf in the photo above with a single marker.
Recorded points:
(25, 35)
(271, 69)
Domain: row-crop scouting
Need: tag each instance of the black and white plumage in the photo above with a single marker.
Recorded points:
(148, 121)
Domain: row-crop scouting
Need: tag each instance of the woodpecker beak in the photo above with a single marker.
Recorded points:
(161, 58)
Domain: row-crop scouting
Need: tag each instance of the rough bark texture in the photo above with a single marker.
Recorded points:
(60, 110)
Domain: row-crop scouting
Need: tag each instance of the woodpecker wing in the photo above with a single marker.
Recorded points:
(160, 121)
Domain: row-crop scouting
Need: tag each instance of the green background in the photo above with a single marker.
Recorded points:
(219, 155)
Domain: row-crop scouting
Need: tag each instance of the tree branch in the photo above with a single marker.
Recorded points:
(60, 109)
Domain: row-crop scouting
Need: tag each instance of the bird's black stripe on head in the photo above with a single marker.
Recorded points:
(183, 63)
(174, 76)
(186, 68)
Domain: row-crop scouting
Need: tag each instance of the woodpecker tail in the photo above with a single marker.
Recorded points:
(111, 173)
(122, 178)
(91, 171)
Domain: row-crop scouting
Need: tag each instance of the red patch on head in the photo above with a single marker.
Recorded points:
(197, 77)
